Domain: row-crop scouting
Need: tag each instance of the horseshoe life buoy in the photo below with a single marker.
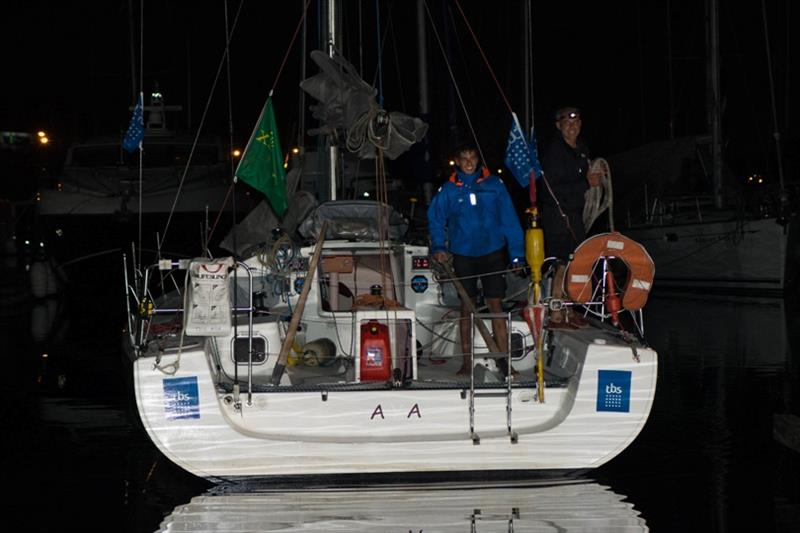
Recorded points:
(607, 245)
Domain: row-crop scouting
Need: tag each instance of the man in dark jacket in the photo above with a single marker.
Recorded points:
(473, 217)
(566, 166)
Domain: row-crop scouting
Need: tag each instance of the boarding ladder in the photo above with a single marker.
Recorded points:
(492, 394)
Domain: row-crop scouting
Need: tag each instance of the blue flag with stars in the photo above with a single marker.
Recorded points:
(133, 138)
(521, 157)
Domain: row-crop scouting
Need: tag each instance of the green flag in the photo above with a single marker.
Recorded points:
(261, 166)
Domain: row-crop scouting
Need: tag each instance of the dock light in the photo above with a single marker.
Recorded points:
(236, 152)
(295, 150)
(41, 134)
(43, 140)
(760, 179)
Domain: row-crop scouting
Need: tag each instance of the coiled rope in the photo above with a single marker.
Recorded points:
(598, 199)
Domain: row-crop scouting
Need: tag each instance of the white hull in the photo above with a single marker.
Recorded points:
(755, 255)
(330, 419)
(284, 434)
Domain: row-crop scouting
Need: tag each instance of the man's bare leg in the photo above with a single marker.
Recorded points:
(499, 325)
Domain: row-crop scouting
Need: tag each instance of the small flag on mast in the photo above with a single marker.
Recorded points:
(133, 138)
(261, 166)
(521, 156)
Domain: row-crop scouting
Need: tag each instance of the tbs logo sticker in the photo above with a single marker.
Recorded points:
(181, 398)
(614, 390)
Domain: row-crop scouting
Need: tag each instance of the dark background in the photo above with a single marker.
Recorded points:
(637, 69)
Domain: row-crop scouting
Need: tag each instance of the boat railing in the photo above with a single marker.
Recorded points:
(144, 304)
(676, 208)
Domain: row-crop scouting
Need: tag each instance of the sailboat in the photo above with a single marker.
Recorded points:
(713, 235)
(337, 353)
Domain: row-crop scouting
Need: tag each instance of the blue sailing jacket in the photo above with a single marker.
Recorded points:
(474, 215)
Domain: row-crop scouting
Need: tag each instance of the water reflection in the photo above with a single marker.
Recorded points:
(575, 506)
(722, 330)
(727, 365)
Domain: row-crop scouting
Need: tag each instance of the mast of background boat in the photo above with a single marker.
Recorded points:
(138, 259)
(713, 99)
(333, 150)
(422, 61)
(776, 133)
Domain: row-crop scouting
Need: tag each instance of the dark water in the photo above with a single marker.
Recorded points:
(74, 454)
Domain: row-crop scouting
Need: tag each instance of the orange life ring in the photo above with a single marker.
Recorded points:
(607, 245)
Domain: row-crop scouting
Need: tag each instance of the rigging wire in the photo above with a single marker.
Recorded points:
(300, 25)
(141, 95)
(230, 136)
(483, 55)
(197, 135)
(278, 75)
(453, 80)
(564, 216)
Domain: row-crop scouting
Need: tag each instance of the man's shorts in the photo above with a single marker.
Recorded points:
(490, 268)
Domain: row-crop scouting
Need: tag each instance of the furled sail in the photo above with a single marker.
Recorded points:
(347, 103)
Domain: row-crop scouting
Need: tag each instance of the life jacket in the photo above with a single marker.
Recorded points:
(606, 245)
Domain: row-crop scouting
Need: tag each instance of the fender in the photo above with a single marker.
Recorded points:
(606, 245)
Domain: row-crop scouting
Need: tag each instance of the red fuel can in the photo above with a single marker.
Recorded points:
(376, 354)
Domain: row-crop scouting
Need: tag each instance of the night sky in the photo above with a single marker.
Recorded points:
(67, 68)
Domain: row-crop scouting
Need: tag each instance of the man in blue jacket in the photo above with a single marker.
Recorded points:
(473, 218)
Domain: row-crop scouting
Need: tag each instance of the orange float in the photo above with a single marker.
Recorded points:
(606, 246)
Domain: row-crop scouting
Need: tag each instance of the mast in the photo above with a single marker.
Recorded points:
(713, 100)
(776, 134)
(422, 63)
(333, 149)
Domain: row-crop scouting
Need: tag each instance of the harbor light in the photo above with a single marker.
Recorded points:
(295, 150)
(236, 152)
